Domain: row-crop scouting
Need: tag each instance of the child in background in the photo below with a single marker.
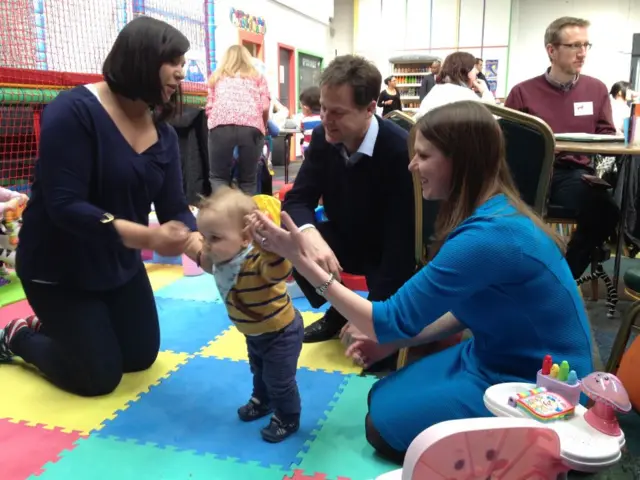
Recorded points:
(310, 102)
(252, 282)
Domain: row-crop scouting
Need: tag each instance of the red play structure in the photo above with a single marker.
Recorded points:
(47, 46)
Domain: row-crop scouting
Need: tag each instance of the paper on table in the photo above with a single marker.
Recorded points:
(588, 137)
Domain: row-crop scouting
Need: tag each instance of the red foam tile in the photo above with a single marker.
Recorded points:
(25, 450)
(19, 309)
(299, 475)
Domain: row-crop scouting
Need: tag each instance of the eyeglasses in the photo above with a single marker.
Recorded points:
(577, 46)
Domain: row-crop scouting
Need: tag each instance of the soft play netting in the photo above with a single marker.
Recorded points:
(47, 46)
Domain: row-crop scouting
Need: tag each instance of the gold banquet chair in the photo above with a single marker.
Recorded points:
(531, 154)
(425, 211)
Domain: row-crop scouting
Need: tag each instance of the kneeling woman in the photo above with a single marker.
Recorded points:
(499, 271)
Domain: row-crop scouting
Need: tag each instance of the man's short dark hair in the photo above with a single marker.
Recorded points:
(310, 97)
(132, 67)
(478, 60)
(357, 72)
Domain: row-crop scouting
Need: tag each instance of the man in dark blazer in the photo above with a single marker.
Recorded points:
(357, 164)
(429, 81)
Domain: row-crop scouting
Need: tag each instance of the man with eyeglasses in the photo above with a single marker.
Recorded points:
(571, 102)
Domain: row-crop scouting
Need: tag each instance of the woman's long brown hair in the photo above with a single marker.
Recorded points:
(470, 137)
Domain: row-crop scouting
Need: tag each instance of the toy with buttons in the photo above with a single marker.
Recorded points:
(590, 438)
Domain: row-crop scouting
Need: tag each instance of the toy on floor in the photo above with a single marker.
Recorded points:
(609, 397)
(591, 439)
(483, 448)
(559, 379)
(543, 405)
(12, 204)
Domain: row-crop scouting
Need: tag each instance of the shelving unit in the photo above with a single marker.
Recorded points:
(409, 71)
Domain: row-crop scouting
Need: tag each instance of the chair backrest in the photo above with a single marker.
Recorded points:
(530, 151)
(425, 210)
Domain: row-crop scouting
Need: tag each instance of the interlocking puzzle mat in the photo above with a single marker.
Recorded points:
(178, 419)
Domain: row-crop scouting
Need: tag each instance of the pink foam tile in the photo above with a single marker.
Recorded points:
(25, 450)
(19, 309)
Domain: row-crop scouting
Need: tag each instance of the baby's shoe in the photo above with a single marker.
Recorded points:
(253, 410)
(277, 430)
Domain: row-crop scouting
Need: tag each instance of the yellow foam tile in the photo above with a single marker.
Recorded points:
(163, 275)
(328, 356)
(29, 397)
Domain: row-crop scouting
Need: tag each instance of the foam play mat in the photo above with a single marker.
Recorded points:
(178, 419)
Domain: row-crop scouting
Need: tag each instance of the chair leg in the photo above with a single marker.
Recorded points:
(624, 332)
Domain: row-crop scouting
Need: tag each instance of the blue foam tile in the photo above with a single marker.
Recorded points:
(101, 458)
(195, 409)
(303, 305)
(187, 326)
(201, 288)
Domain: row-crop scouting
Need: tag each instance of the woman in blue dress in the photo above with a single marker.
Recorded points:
(498, 271)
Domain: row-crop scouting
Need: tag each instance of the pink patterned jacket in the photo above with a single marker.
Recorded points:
(238, 101)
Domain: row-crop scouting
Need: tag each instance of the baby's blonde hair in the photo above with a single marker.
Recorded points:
(231, 202)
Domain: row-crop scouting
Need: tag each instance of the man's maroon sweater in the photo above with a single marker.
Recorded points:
(566, 108)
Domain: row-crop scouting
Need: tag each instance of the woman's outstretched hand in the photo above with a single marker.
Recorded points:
(169, 239)
(285, 243)
(361, 349)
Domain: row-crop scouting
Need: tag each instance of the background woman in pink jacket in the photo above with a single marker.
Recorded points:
(238, 110)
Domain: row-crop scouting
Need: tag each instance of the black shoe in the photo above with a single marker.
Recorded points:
(277, 430)
(326, 328)
(5, 353)
(253, 410)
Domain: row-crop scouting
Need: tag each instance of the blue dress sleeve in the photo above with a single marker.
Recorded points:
(65, 170)
(474, 257)
(171, 201)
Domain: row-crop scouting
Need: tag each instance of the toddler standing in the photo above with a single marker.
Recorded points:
(252, 283)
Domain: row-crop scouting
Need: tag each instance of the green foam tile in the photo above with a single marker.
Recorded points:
(340, 448)
(100, 458)
(11, 292)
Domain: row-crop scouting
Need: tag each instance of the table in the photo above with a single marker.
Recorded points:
(287, 133)
(611, 149)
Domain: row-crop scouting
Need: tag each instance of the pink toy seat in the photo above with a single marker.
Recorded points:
(482, 448)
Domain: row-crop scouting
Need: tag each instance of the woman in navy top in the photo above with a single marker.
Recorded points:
(499, 271)
(106, 154)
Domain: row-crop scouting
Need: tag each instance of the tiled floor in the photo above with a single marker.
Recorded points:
(178, 420)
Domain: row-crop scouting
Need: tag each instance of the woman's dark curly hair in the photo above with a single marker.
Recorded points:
(456, 68)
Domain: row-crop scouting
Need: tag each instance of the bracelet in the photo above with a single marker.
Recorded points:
(323, 288)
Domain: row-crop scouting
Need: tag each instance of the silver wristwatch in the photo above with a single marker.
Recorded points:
(323, 288)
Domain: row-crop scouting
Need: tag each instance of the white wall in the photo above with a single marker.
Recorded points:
(341, 31)
(305, 29)
(437, 27)
(613, 24)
